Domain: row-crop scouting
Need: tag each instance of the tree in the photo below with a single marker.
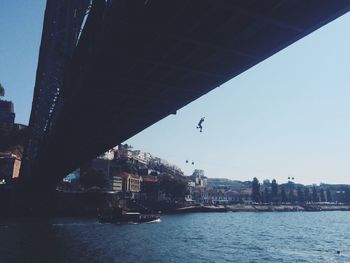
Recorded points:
(347, 195)
(274, 188)
(301, 198)
(124, 166)
(151, 189)
(291, 196)
(167, 169)
(256, 190)
(283, 195)
(322, 195)
(126, 146)
(2, 91)
(262, 196)
(314, 194)
(329, 196)
(307, 195)
(266, 195)
(173, 186)
(93, 178)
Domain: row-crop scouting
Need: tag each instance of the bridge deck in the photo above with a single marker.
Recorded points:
(139, 61)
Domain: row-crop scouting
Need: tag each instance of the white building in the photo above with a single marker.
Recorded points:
(109, 155)
(141, 156)
(200, 179)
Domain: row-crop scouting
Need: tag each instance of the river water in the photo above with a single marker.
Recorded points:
(198, 237)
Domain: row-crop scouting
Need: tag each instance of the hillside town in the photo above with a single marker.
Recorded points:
(155, 183)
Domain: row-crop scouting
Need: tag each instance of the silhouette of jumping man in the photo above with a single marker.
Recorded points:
(199, 126)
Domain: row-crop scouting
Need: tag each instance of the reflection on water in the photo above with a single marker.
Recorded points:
(202, 237)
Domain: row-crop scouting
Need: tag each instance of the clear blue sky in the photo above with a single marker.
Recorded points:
(287, 116)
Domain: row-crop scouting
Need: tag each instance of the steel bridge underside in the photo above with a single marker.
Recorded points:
(139, 61)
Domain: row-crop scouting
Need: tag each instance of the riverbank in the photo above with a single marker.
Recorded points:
(265, 208)
(208, 208)
(86, 204)
(286, 208)
(261, 208)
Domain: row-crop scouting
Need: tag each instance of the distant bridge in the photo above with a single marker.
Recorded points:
(136, 61)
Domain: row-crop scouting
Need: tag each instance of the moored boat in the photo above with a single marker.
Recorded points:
(313, 208)
(117, 215)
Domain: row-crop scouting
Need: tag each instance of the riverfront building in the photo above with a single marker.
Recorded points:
(117, 183)
(132, 182)
(12, 140)
(7, 113)
(9, 167)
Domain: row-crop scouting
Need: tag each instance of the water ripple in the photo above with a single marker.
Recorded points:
(202, 237)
